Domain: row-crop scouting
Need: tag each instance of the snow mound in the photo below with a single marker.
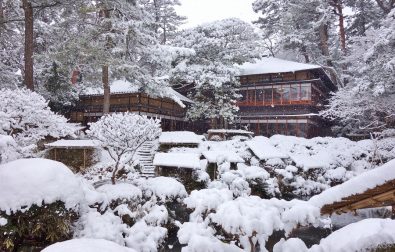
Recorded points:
(120, 191)
(166, 188)
(358, 184)
(25, 182)
(180, 137)
(222, 156)
(263, 149)
(206, 200)
(87, 245)
(200, 238)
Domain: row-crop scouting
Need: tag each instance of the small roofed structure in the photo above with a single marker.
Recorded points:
(177, 160)
(216, 157)
(77, 154)
(182, 166)
(264, 150)
(180, 139)
(374, 188)
(226, 134)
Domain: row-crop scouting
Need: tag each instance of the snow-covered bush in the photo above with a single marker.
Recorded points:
(8, 148)
(26, 117)
(39, 201)
(121, 134)
(247, 221)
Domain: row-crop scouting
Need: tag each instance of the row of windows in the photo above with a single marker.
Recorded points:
(278, 94)
(270, 129)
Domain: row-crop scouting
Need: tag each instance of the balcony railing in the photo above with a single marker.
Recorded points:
(274, 102)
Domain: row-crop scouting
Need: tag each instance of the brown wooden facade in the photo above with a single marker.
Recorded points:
(285, 103)
(172, 115)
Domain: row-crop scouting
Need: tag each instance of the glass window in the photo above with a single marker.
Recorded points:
(282, 129)
(271, 129)
(250, 95)
(305, 92)
(292, 129)
(294, 93)
(277, 94)
(286, 94)
(268, 95)
(259, 95)
(302, 130)
(243, 94)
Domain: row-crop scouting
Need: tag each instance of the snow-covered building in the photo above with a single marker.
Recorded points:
(284, 97)
(170, 107)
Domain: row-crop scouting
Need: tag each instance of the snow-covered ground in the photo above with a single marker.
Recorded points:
(242, 207)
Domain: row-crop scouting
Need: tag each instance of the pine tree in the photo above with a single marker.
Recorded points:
(212, 70)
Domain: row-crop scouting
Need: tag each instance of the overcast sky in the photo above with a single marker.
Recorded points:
(203, 11)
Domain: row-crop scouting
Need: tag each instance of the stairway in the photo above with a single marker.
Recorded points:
(146, 155)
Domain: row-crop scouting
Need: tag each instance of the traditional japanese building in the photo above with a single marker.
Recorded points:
(170, 108)
(284, 97)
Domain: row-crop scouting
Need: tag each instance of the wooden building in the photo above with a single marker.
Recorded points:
(284, 97)
(171, 109)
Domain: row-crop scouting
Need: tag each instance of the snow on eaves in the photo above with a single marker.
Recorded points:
(220, 156)
(73, 144)
(25, 182)
(263, 149)
(365, 235)
(274, 65)
(180, 137)
(178, 160)
(356, 185)
(125, 87)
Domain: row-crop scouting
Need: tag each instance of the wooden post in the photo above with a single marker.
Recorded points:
(55, 154)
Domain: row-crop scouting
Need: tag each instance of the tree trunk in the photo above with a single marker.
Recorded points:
(29, 44)
(105, 75)
(1, 11)
(338, 8)
(342, 30)
(106, 88)
(323, 32)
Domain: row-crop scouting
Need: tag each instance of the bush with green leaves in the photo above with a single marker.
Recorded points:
(36, 226)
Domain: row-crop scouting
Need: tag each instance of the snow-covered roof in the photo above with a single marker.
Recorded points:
(179, 160)
(230, 131)
(274, 65)
(356, 185)
(25, 182)
(123, 86)
(180, 137)
(73, 144)
(223, 155)
(263, 149)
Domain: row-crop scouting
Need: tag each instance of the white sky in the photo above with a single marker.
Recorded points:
(203, 11)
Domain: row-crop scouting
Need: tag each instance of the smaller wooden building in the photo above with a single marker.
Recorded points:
(77, 154)
(126, 97)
